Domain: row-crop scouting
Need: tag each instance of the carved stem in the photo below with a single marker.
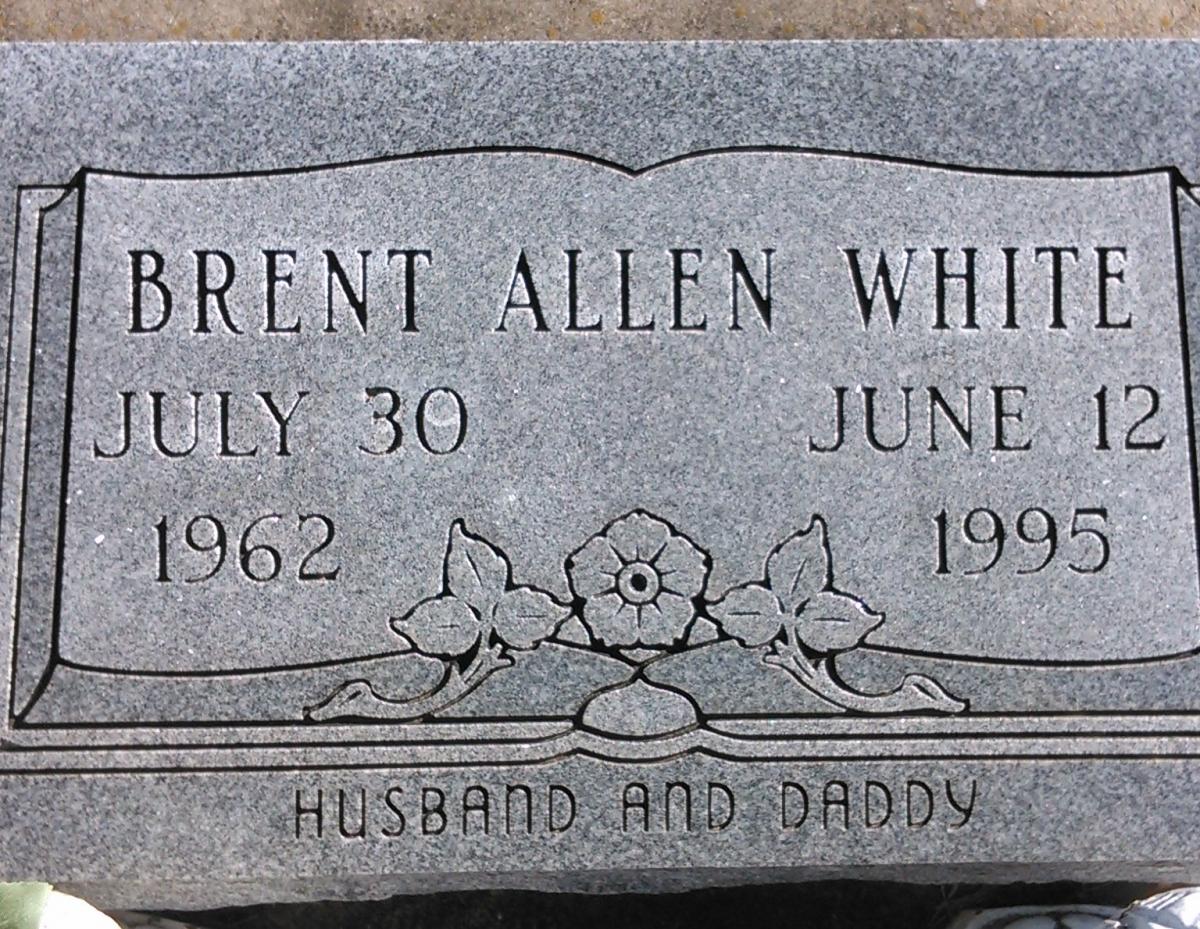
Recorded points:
(916, 692)
(358, 699)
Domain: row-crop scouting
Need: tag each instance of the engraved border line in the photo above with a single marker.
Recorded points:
(1173, 174)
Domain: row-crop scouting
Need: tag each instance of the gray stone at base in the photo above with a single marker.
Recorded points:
(608, 574)
(1174, 909)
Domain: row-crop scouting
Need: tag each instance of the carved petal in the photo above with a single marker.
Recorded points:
(611, 620)
(665, 620)
(593, 569)
(682, 567)
(638, 536)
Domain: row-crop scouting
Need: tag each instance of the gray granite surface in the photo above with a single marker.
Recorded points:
(597, 467)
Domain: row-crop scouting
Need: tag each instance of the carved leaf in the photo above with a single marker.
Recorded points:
(443, 627)
(834, 622)
(922, 693)
(799, 567)
(527, 616)
(752, 614)
(476, 571)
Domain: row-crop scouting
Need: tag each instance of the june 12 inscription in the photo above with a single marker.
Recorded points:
(600, 463)
(625, 515)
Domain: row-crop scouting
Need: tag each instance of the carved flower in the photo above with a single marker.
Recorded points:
(637, 579)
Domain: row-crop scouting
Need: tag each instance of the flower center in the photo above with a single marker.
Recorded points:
(638, 582)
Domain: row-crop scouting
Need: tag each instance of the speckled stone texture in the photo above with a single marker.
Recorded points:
(482, 581)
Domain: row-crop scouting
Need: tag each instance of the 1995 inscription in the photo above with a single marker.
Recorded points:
(603, 467)
(621, 516)
(938, 287)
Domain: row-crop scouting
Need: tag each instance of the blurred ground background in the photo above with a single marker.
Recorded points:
(129, 20)
(827, 905)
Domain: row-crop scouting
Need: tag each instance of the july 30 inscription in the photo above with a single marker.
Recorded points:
(489, 509)
(549, 428)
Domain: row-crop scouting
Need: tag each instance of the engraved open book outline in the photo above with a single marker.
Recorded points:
(641, 607)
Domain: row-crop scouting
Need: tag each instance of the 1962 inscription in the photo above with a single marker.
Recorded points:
(887, 417)
(627, 515)
(600, 461)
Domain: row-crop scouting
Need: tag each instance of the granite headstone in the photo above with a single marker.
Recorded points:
(597, 467)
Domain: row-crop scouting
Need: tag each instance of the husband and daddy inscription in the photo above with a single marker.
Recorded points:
(509, 509)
